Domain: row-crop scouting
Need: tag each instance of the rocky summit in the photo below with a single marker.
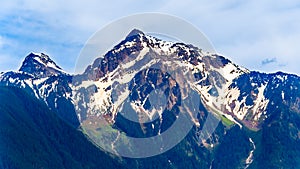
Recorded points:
(258, 112)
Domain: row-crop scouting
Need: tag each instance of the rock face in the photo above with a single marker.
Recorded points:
(40, 65)
(251, 105)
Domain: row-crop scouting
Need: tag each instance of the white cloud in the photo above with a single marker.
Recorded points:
(248, 32)
(245, 31)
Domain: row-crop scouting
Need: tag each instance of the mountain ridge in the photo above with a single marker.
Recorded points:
(40, 66)
(250, 100)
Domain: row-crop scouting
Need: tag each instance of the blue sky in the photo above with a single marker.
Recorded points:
(259, 35)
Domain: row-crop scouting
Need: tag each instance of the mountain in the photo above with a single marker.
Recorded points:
(32, 136)
(46, 81)
(40, 66)
(259, 112)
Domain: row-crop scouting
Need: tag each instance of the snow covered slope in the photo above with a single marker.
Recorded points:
(226, 89)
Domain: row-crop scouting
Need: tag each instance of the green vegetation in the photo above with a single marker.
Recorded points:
(34, 137)
(226, 121)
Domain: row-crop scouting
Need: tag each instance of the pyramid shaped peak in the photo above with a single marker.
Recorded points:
(40, 65)
(135, 32)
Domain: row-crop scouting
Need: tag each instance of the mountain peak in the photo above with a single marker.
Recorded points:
(40, 65)
(135, 32)
(40, 55)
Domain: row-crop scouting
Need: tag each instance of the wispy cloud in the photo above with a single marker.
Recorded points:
(268, 61)
(1, 42)
(244, 31)
(249, 31)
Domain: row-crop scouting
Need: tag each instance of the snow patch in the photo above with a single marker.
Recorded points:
(249, 159)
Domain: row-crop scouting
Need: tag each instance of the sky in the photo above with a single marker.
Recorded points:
(259, 35)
